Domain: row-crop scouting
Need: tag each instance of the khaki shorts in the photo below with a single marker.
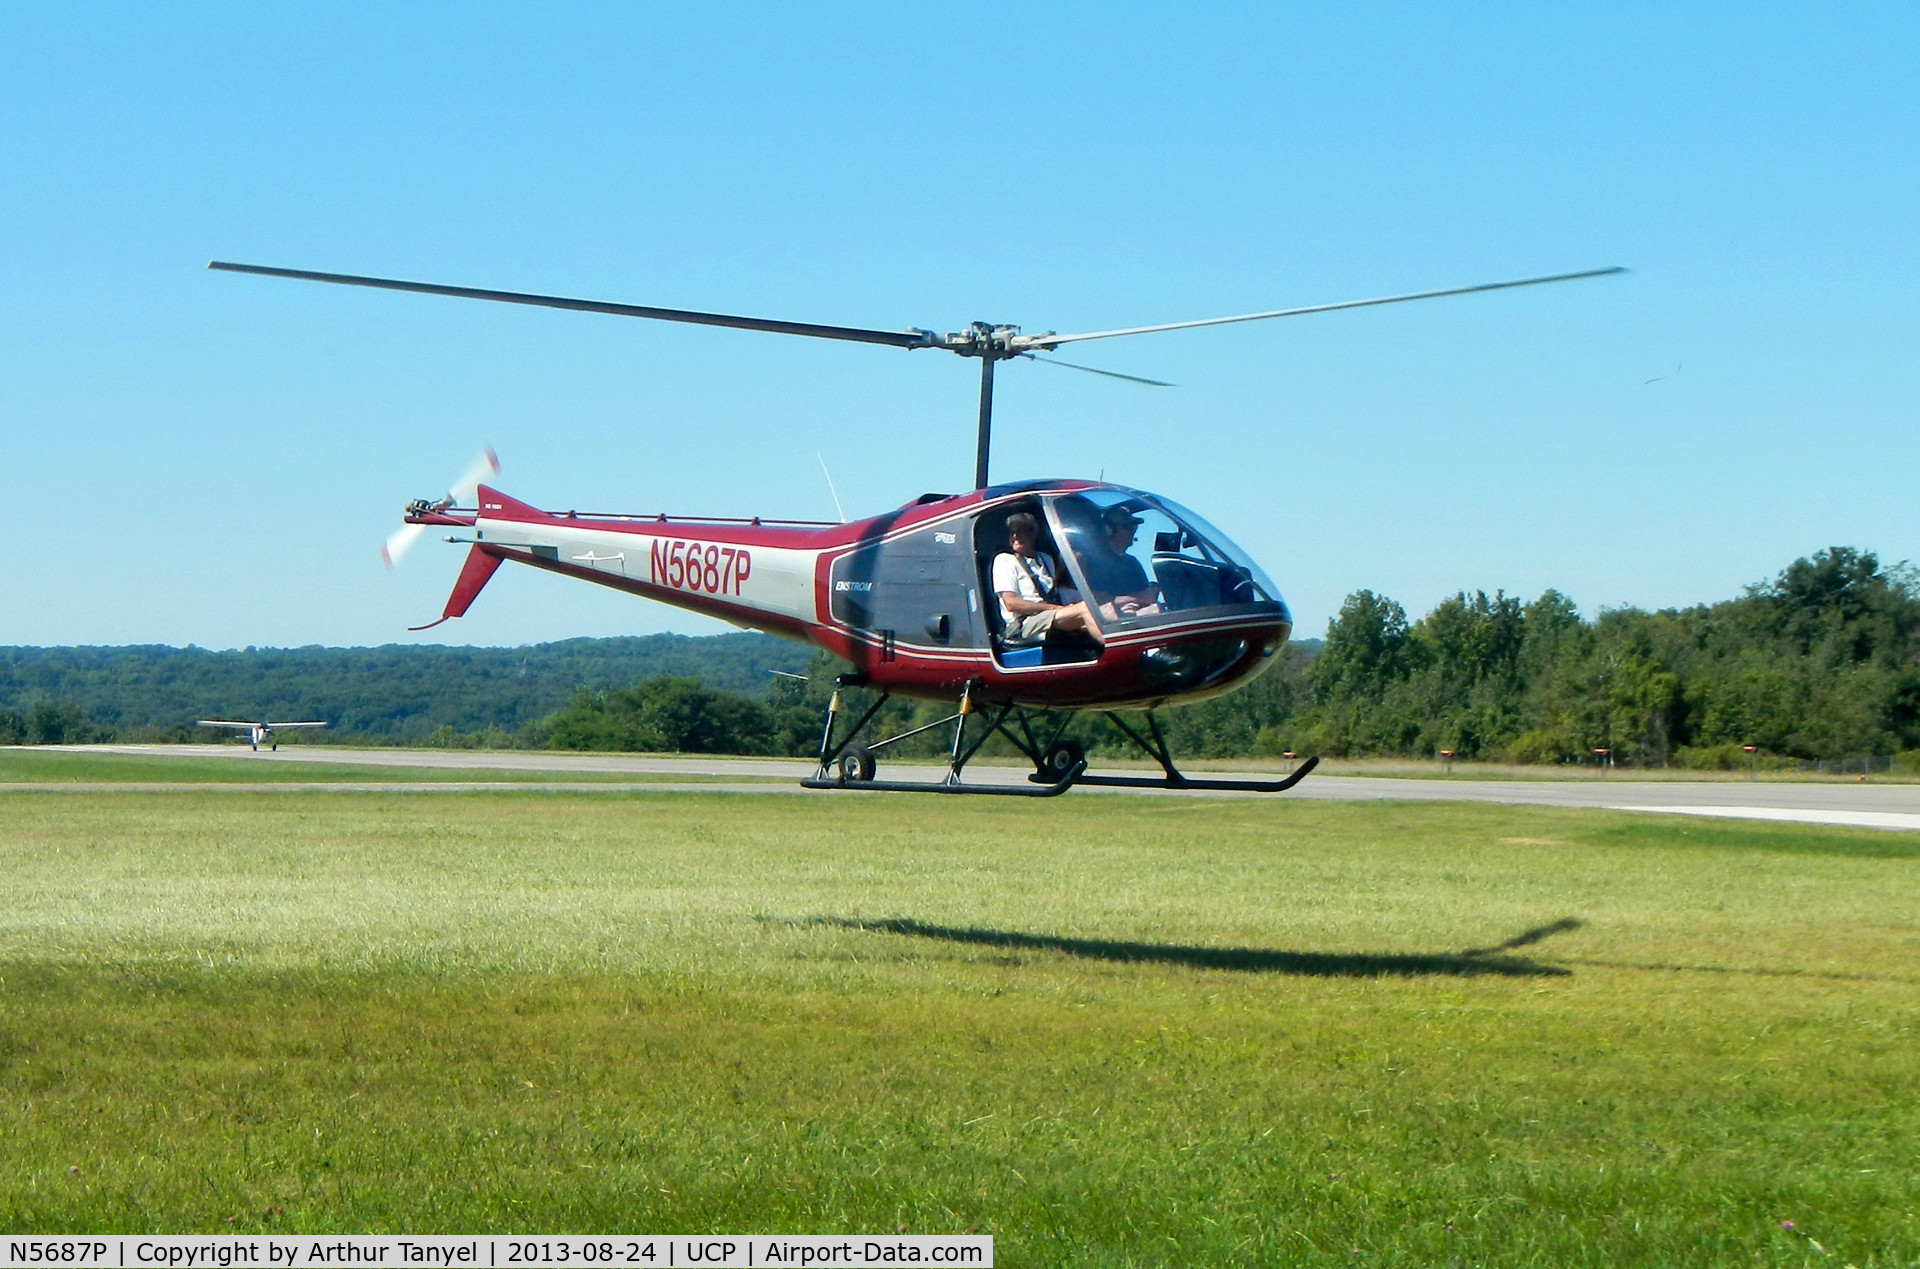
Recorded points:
(1032, 628)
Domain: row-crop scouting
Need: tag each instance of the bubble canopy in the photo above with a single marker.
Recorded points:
(1138, 557)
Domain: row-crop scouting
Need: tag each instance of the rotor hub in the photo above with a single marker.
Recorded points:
(992, 341)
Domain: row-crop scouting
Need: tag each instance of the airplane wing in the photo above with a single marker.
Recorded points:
(222, 722)
(284, 726)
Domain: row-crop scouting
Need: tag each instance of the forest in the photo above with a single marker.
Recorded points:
(395, 694)
(1821, 663)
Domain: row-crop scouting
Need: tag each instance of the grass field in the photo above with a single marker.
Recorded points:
(34, 766)
(1105, 1030)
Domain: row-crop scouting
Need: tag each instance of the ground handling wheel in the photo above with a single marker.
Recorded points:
(1062, 758)
(857, 765)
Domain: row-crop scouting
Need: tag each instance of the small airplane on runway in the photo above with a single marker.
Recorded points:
(257, 733)
(1023, 602)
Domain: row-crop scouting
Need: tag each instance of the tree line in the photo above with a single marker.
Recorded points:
(1820, 663)
(395, 694)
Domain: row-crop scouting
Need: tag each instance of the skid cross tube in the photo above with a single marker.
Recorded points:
(882, 744)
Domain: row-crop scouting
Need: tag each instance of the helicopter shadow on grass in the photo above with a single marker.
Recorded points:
(1474, 962)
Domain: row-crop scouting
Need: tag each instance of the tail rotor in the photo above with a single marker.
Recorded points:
(401, 540)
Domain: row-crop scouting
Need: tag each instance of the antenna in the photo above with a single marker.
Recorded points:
(837, 508)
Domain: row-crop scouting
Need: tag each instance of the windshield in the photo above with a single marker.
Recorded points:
(1141, 556)
(1215, 542)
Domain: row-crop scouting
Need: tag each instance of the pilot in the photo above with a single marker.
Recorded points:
(1032, 604)
(1120, 584)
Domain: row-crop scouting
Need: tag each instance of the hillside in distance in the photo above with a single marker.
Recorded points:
(395, 691)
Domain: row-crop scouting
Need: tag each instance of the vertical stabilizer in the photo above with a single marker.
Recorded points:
(474, 575)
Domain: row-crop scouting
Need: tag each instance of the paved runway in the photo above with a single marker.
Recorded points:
(1884, 806)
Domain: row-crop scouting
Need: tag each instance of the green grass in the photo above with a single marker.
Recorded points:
(39, 766)
(1105, 1030)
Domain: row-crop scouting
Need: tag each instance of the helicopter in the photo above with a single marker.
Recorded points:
(1157, 606)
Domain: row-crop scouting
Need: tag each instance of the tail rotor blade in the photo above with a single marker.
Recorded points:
(487, 464)
(399, 542)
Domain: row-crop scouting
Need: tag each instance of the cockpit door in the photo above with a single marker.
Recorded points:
(917, 589)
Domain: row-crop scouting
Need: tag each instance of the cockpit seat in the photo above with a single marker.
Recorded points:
(1025, 655)
(990, 539)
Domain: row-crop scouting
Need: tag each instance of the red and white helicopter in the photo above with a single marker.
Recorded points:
(1174, 611)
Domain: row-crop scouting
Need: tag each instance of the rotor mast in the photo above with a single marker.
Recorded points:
(990, 344)
(985, 440)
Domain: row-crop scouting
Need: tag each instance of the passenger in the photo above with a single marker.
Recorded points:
(1119, 581)
(1032, 603)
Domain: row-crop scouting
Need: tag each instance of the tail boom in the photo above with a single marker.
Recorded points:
(749, 574)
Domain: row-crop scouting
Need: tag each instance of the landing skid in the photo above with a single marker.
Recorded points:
(1188, 782)
(1060, 764)
(1053, 790)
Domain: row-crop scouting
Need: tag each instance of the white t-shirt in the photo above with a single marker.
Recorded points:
(1030, 579)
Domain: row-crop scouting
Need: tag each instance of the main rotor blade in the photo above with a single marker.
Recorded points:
(895, 338)
(1111, 374)
(1049, 341)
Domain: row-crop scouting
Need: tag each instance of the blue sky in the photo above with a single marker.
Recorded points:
(197, 457)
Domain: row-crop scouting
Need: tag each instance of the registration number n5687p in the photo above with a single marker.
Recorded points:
(703, 567)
